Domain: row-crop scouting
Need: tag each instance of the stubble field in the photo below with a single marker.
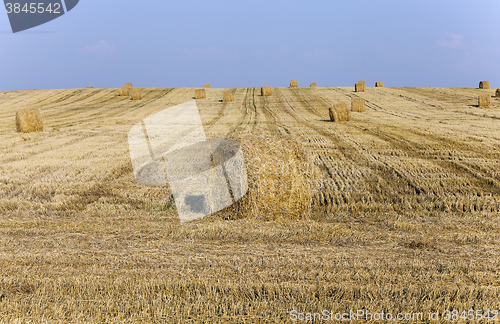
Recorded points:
(405, 216)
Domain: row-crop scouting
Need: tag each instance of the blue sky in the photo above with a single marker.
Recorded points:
(254, 43)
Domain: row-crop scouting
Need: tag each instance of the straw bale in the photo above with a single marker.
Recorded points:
(281, 179)
(484, 101)
(358, 104)
(200, 94)
(29, 120)
(359, 87)
(228, 96)
(339, 112)
(135, 94)
(484, 85)
(125, 91)
(266, 91)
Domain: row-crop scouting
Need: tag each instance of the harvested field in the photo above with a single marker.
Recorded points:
(405, 214)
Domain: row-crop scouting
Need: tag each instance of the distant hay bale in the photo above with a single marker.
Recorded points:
(339, 112)
(90, 87)
(281, 179)
(359, 87)
(29, 120)
(266, 91)
(200, 94)
(125, 91)
(358, 105)
(484, 101)
(228, 96)
(363, 82)
(128, 85)
(314, 85)
(136, 94)
(207, 86)
(379, 84)
(497, 93)
(484, 85)
(294, 84)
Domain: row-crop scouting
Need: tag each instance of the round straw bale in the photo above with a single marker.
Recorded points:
(379, 84)
(266, 91)
(200, 93)
(29, 120)
(207, 86)
(281, 179)
(128, 85)
(359, 87)
(125, 91)
(484, 101)
(497, 93)
(135, 94)
(90, 87)
(294, 84)
(339, 112)
(484, 85)
(314, 85)
(358, 105)
(228, 96)
(333, 114)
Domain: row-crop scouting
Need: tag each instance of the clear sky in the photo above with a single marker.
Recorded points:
(235, 43)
